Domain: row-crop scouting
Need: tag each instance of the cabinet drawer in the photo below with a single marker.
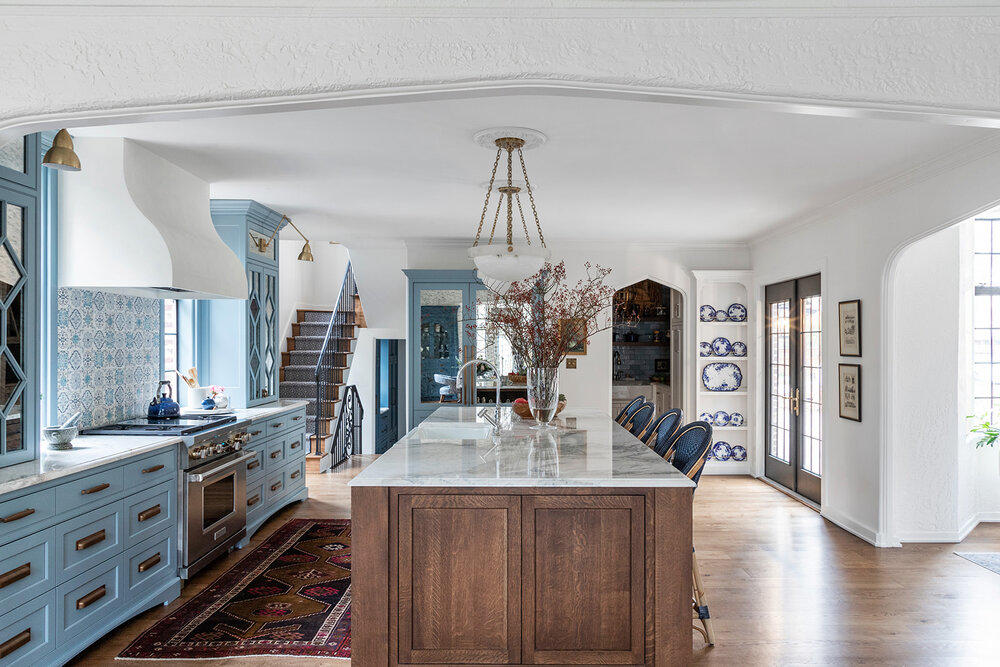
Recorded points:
(85, 541)
(295, 475)
(255, 495)
(274, 485)
(150, 511)
(287, 421)
(89, 490)
(295, 445)
(149, 565)
(255, 467)
(257, 431)
(88, 600)
(274, 455)
(27, 568)
(27, 634)
(151, 470)
(23, 513)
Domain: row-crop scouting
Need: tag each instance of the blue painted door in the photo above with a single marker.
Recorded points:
(386, 394)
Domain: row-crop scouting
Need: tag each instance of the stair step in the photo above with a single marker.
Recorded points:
(309, 315)
(307, 373)
(317, 463)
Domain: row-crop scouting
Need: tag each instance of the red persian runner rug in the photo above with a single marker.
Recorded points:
(290, 596)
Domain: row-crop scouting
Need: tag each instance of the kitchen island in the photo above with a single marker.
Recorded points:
(565, 546)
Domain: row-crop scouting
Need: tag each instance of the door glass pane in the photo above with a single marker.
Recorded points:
(811, 385)
(440, 343)
(220, 500)
(12, 155)
(779, 401)
(15, 230)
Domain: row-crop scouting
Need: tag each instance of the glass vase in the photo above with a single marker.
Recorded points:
(543, 394)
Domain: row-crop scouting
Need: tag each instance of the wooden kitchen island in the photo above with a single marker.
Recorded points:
(565, 546)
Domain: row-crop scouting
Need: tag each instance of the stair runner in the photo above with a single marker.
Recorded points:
(298, 372)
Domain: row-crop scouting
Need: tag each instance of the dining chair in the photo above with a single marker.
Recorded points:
(663, 430)
(640, 419)
(449, 392)
(629, 408)
(690, 449)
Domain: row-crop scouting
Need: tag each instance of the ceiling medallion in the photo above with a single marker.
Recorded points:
(510, 260)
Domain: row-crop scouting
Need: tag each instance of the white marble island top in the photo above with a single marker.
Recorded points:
(455, 447)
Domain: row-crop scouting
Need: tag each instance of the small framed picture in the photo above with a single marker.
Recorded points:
(850, 328)
(575, 331)
(850, 391)
(661, 365)
(570, 362)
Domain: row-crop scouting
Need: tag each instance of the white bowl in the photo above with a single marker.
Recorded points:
(60, 438)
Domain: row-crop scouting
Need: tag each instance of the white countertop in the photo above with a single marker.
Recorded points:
(454, 447)
(270, 410)
(89, 451)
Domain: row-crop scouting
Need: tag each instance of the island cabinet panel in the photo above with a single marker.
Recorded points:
(459, 579)
(584, 579)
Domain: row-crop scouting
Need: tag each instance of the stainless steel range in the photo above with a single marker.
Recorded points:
(212, 485)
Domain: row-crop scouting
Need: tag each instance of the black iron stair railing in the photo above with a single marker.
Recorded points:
(347, 434)
(327, 380)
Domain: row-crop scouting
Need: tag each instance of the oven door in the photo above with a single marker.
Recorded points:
(216, 503)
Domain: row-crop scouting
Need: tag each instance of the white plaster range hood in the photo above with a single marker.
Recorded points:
(134, 223)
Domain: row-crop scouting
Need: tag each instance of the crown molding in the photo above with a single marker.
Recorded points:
(963, 155)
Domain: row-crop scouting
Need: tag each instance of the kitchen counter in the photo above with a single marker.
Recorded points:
(518, 549)
(270, 410)
(89, 451)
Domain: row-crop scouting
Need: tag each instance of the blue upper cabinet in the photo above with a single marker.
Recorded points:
(20, 262)
(238, 340)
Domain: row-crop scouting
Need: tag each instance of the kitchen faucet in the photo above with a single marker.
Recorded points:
(495, 420)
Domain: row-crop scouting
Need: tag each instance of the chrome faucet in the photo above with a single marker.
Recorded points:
(495, 420)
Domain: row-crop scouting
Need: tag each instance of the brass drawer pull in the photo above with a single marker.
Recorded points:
(150, 513)
(275, 454)
(255, 432)
(295, 419)
(95, 489)
(277, 424)
(90, 540)
(15, 642)
(91, 597)
(146, 471)
(253, 464)
(295, 474)
(17, 574)
(296, 444)
(19, 515)
(149, 562)
(253, 501)
(276, 486)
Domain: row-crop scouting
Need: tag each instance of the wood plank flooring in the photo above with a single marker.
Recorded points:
(785, 586)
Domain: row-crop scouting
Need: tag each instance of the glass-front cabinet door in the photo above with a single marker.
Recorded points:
(262, 334)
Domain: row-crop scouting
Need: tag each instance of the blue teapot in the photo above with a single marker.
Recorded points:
(163, 406)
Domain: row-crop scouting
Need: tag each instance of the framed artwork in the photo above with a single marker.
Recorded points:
(576, 331)
(661, 365)
(570, 363)
(850, 328)
(850, 391)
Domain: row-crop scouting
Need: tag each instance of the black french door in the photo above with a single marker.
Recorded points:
(386, 394)
(794, 410)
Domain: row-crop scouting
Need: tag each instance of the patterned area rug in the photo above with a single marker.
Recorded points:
(991, 561)
(290, 596)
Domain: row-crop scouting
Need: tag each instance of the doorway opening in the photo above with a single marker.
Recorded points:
(794, 375)
(387, 394)
(646, 348)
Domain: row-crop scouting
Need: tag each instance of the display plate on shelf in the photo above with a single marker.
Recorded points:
(722, 377)
(706, 417)
(720, 418)
(737, 312)
(721, 315)
(704, 349)
(706, 313)
(721, 347)
(736, 419)
(721, 451)
(739, 349)
(739, 453)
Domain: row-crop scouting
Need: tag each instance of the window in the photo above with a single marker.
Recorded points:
(986, 315)
(170, 345)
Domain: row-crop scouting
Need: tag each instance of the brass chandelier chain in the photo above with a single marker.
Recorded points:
(486, 204)
(512, 192)
(531, 197)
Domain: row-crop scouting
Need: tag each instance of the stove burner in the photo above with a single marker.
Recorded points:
(185, 425)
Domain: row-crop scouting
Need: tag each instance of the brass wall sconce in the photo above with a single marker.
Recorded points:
(262, 244)
(62, 156)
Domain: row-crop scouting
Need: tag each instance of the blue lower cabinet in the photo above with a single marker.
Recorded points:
(275, 455)
(151, 470)
(149, 565)
(149, 512)
(25, 513)
(96, 489)
(88, 539)
(274, 485)
(295, 475)
(28, 634)
(89, 600)
(255, 467)
(27, 568)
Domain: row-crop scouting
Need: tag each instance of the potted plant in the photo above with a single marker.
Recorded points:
(988, 431)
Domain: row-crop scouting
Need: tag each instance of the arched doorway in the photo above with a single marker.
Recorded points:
(647, 346)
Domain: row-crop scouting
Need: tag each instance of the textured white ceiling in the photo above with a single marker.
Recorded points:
(611, 168)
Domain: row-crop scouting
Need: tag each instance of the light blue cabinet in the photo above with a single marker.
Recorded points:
(238, 340)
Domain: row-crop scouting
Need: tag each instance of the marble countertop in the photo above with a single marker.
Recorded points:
(89, 451)
(270, 410)
(455, 447)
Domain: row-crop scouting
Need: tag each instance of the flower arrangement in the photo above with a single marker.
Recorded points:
(988, 431)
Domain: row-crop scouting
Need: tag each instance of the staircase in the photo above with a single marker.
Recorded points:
(301, 363)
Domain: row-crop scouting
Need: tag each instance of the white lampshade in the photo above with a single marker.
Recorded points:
(496, 262)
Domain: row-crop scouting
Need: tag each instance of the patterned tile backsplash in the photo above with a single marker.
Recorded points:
(109, 355)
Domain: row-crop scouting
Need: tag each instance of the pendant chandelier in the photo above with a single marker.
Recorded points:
(507, 259)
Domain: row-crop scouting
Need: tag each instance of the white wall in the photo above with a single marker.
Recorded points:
(313, 284)
(853, 245)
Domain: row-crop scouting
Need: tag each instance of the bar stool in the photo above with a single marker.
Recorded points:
(640, 419)
(629, 408)
(663, 429)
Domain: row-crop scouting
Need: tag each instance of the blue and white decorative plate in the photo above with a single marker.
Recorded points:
(736, 419)
(721, 451)
(722, 376)
(721, 315)
(708, 456)
(721, 418)
(704, 349)
(706, 417)
(737, 312)
(707, 313)
(721, 347)
(739, 453)
(739, 349)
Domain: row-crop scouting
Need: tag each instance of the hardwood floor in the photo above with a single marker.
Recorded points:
(785, 587)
